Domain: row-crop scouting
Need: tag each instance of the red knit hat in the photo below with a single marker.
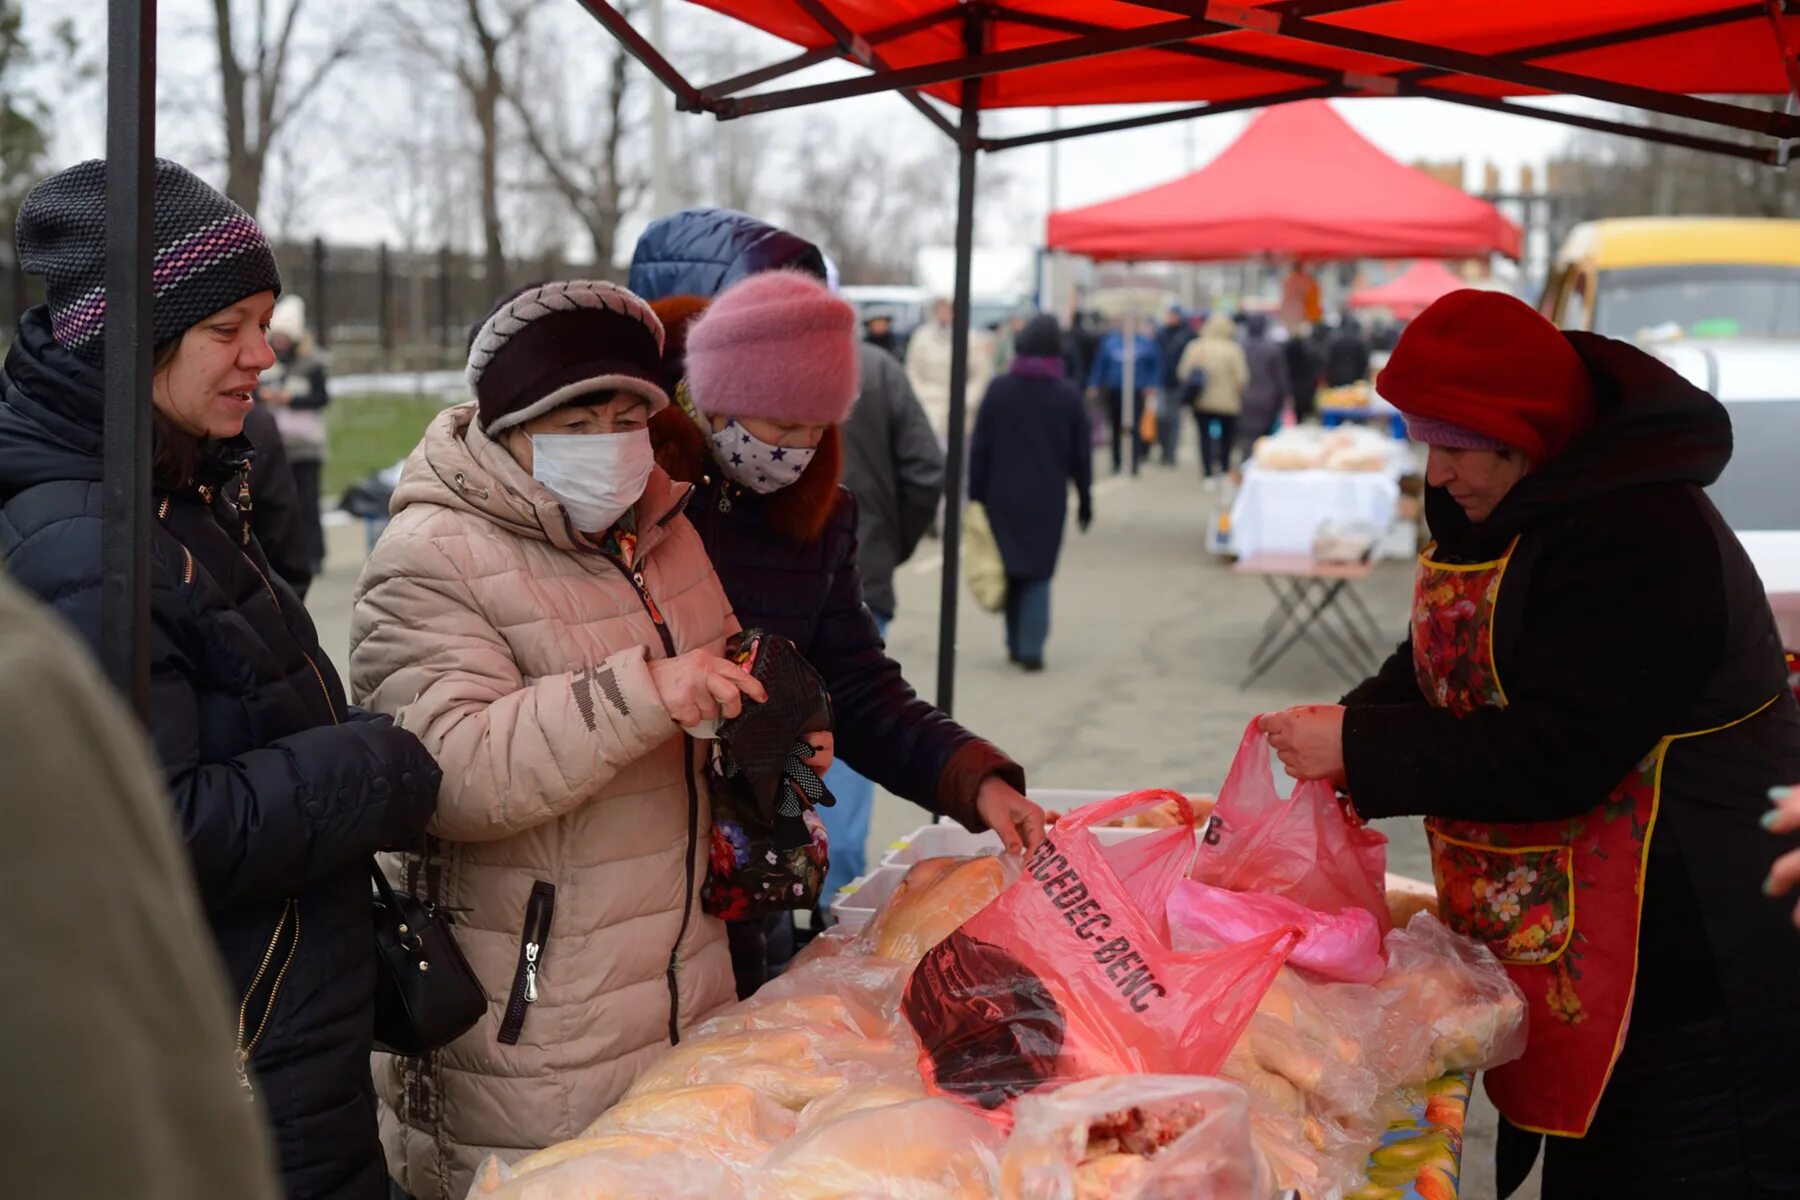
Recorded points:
(1488, 363)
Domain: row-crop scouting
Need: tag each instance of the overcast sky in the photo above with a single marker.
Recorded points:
(1090, 169)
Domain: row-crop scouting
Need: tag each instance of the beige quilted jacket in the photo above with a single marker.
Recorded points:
(572, 824)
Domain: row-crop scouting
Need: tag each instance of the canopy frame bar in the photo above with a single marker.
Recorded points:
(968, 147)
(687, 96)
(126, 437)
(823, 54)
(1323, 91)
(866, 54)
(1479, 66)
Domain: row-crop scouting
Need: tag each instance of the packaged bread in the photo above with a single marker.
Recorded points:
(615, 1167)
(858, 1097)
(932, 901)
(818, 1012)
(790, 1067)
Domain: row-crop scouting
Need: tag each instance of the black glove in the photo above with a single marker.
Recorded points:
(1084, 516)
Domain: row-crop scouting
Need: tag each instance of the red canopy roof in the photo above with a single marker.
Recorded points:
(1233, 52)
(1412, 291)
(1299, 181)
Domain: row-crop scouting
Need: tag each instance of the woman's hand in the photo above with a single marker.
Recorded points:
(700, 686)
(1784, 818)
(824, 751)
(1309, 741)
(1018, 821)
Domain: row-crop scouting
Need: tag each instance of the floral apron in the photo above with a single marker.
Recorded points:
(1558, 902)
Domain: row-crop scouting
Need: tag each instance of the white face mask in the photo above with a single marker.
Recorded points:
(750, 462)
(596, 476)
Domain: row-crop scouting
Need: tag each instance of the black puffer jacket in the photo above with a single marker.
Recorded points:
(788, 563)
(280, 791)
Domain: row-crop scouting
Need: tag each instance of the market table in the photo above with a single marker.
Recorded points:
(1310, 596)
(1280, 512)
(1420, 1156)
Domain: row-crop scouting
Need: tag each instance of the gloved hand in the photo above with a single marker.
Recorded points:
(1084, 517)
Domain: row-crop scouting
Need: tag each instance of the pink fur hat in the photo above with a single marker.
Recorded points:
(776, 345)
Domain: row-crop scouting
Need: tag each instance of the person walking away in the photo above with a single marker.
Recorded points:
(1303, 371)
(1216, 356)
(275, 502)
(543, 613)
(134, 1063)
(878, 331)
(1347, 359)
(1106, 383)
(928, 367)
(1267, 391)
(1300, 297)
(782, 535)
(1591, 713)
(294, 388)
(281, 791)
(1171, 340)
(1031, 443)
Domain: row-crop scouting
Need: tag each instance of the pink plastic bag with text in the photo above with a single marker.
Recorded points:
(1343, 946)
(1305, 847)
(1069, 974)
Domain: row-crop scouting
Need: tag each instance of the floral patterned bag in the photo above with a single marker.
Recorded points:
(769, 851)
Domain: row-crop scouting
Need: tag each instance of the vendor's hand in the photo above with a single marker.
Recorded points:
(824, 751)
(700, 686)
(1784, 818)
(1309, 741)
(1018, 821)
(1084, 517)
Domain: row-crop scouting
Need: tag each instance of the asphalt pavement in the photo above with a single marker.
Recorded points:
(1149, 644)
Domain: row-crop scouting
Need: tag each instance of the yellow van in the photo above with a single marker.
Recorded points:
(1660, 277)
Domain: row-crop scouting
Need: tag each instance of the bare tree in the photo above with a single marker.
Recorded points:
(262, 90)
(470, 42)
(584, 162)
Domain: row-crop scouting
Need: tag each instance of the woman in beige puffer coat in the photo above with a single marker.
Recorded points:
(1216, 353)
(571, 834)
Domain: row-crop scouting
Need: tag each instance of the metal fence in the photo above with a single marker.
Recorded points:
(372, 307)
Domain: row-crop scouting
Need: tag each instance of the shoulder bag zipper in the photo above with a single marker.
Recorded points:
(538, 911)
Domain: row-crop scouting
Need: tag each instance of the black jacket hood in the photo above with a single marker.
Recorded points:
(1651, 426)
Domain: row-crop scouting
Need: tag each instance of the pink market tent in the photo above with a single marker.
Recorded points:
(1412, 291)
(1298, 182)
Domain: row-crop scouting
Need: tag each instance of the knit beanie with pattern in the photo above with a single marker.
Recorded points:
(208, 254)
(561, 343)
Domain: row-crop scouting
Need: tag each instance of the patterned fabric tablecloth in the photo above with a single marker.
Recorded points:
(1420, 1157)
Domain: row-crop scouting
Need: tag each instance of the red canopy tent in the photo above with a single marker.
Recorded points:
(1301, 182)
(1654, 55)
(1411, 292)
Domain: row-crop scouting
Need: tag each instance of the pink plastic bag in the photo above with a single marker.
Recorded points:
(1305, 847)
(1069, 974)
(1345, 946)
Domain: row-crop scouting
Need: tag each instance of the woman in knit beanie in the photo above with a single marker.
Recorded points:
(280, 789)
(1591, 711)
(771, 370)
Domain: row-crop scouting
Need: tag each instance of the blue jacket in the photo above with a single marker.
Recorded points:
(1108, 370)
(281, 791)
(703, 251)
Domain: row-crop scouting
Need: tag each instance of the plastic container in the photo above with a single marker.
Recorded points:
(855, 903)
(934, 841)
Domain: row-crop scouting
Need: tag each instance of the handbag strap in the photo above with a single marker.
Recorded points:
(384, 887)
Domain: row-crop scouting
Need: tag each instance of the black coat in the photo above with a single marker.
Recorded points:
(1347, 356)
(275, 502)
(1032, 440)
(1629, 612)
(280, 791)
(894, 467)
(788, 565)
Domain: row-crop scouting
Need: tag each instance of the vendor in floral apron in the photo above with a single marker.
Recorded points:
(1591, 712)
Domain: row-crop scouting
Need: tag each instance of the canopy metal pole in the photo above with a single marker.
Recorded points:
(125, 464)
(968, 144)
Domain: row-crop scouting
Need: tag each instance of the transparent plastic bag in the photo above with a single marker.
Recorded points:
(1304, 1049)
(864, 983)
(1133, 1137)
(613, 1167)
(929, 1149)
(729, 1120)
(1306, 847)
(1450, 1005)
(936, 896)
(1314, 1157)
(789, 1066)
(1069, 974)
(1344, 946)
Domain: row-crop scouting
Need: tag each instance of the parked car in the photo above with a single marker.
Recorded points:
(1758, 381)
(1651, 278)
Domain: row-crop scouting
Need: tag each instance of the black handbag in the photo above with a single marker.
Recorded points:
(426, 994)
